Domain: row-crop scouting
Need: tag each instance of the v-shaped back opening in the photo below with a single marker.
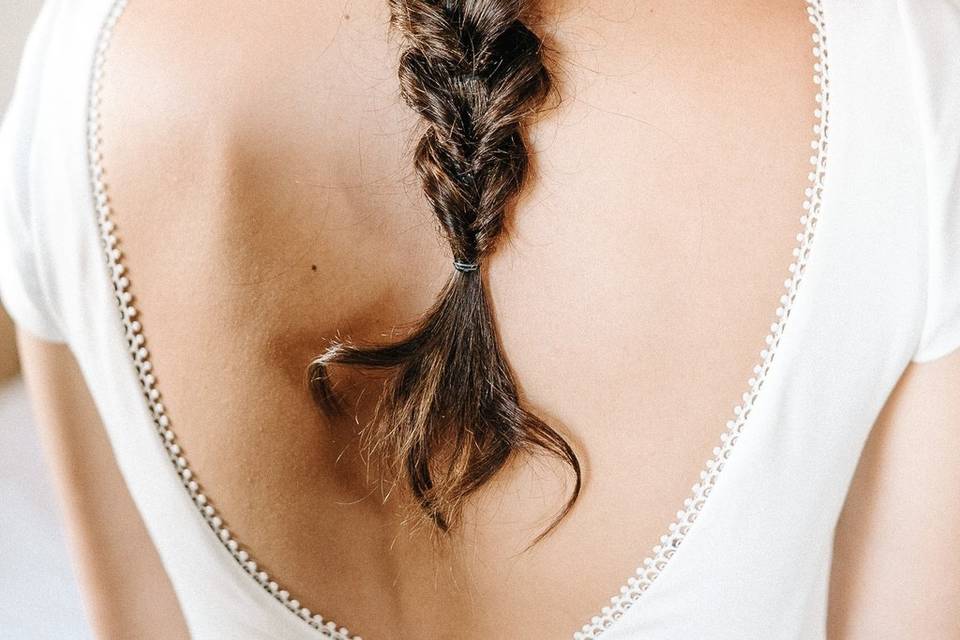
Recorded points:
(212, 305)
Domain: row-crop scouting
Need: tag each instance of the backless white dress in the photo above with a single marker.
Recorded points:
(875, 284)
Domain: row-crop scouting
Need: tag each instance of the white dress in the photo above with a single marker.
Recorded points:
(875, 285)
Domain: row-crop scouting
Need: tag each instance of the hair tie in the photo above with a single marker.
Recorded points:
(464, 267)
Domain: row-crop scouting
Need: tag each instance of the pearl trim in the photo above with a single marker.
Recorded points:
(652, 566)
(141, 357)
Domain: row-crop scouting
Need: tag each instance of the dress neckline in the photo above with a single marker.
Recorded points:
(653, 565)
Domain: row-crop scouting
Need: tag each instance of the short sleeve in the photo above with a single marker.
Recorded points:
(933, 38)
(941, 328)
(22, 290)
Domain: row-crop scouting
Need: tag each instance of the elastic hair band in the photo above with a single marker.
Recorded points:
(465, 266)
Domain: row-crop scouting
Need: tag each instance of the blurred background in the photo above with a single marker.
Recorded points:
(38, 593)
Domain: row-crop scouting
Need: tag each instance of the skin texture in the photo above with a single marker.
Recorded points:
(265, 208)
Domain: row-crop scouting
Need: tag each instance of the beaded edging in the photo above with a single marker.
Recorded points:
(136, 341)
(652, 566)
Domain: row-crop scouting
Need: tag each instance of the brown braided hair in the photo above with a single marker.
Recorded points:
(450, 416)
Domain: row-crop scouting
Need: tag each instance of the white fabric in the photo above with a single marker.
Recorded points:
(882, 288)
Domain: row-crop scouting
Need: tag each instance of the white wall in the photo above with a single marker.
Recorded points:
(16, 17)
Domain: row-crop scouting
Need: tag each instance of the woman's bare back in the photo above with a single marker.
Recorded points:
(260, 170)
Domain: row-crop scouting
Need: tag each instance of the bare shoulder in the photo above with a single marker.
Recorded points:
(896, 571)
